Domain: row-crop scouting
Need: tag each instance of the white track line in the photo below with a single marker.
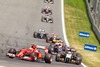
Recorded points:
(63, 27)
(2, 66)
(63, 23)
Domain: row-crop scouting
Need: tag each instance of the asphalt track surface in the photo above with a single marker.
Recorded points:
(18, 20)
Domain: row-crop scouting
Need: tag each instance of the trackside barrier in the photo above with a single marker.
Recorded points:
(92, 20)
(63, 27)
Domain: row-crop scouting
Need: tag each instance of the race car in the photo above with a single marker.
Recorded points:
(69, 56)
(53, 39)
(46, 11)
(31, 54)
(56, 48)
(49, 1)
(40, 34)
(47, 19)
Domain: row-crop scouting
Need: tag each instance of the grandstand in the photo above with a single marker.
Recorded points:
(93, 7)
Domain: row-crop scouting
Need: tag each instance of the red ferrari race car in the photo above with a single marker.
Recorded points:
(32, 54)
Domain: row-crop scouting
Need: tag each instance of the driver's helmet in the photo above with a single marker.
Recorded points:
(73, 50)
(68, 49)
(33, 46)
(60, 41)
(69, 52)
(47, 7)
(54, 35)
(40, 30)
(54, 40)
(43, 30)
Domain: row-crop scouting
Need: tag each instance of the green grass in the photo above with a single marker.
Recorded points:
(76, 20)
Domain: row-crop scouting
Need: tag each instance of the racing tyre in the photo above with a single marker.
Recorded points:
(52, 2)
(34, 56)
(57, 57)
(50, 49)
(12, 51)
(48, 58)
(45, 36)
(35, 35)
(42, 11)
(78, 59)
(78, 62)
(67, 60)
(47, 40)
(45, 1)
(41, 19)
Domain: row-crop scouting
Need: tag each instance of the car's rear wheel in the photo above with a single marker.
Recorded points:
(57, 57)
(34, 56)
(78, 59)
(48, 58)
(67, 60)
(12, 51)
(35, 35)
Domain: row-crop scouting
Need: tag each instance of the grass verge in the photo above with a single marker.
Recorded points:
(76, 20)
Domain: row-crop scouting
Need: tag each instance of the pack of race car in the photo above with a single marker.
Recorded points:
(57, 47)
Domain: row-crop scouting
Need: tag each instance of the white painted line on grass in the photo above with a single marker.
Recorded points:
(63, 27)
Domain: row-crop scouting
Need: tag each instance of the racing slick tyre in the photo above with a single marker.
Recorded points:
(78, 59)
(48, 58)
(47, 40)
(46, 1)
(50, 21)
(52, 1)
(49, 1)
(12, 51)
(42, 11)
(44, 36)
(34, 56)
(50, 49)
(78, 62)
(35, 35)
(42, 19)
(67, 60)
(57, 57)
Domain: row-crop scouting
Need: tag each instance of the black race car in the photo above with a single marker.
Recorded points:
(49, 1)
(46, 11)
(47, 19)
(69, 57)
(40, 34)
(55, 48)
(52, 39)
